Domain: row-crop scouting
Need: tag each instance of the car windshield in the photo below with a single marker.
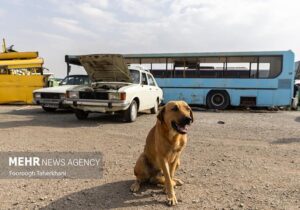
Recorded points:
(75, 80)
(135, 76)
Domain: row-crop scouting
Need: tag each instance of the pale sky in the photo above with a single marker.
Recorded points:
(59, 27)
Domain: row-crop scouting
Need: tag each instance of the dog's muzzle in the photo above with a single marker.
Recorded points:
(182, 126)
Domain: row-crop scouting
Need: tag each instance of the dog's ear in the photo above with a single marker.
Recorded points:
(192, 116)
(161, 114)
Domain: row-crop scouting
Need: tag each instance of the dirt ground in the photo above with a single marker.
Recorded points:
(233, 160)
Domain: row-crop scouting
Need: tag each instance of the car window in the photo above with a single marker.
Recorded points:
(81, 80)
(86, 81)
(151, 80)
(144, 79)
(70, 81)
(76, 80)
(135, 76)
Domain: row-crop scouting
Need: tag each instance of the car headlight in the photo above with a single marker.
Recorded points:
(117, 96)
(73, 94)
(37, 95)
(113, 96)
(62, 96)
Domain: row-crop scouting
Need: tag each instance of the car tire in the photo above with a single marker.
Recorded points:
(217, 99)
(154, 110)
(130, 114)
(81, 115)
(295, 102)
(48, 109)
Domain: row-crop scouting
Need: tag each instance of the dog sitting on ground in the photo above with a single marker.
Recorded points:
(164, 144)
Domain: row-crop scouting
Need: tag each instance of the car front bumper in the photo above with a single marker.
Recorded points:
(97, 105)
(51, 103)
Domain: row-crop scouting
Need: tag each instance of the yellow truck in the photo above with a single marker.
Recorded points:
(20, 74)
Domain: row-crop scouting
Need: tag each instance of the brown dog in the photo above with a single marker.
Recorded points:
(164, 144)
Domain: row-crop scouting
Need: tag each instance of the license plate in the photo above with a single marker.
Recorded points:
(51, 105)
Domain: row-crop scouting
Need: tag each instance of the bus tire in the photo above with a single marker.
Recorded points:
(217, 99)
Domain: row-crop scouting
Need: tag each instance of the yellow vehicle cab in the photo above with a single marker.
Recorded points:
(20, 74)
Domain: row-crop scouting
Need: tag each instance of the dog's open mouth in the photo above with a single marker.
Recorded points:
(180, 128)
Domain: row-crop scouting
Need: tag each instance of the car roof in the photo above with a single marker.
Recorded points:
(140, 68)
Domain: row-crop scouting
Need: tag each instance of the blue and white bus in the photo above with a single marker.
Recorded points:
(255, 79)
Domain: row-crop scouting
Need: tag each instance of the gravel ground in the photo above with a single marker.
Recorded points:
(233, 160)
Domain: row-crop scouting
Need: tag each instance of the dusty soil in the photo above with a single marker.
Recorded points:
(252, 161)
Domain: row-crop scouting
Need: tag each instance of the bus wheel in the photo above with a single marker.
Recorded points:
(217, 99)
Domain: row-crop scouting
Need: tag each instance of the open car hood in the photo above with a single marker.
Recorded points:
(106, 67)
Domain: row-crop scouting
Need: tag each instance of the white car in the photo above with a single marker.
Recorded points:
(115, 87)
(296, 95)
(51, 98)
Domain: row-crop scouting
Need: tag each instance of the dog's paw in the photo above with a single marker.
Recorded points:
(178, 182)
(172, 201)
(135, 187)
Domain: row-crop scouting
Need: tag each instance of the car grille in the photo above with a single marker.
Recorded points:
(93, 95)
(50, 95)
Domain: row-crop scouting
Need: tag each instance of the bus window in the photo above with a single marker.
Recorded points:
(220, 67)
(240, 67)
(264, 70)
(210, 70)
(204, 67)
(253, 70)
(269, 67)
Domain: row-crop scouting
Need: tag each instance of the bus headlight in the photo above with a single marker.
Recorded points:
(73, 94)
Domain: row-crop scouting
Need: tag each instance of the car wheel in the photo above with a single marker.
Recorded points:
(48, 109)
(154, 110)
(217, 99)
(295, 102)
(131, 113)
(81, 115)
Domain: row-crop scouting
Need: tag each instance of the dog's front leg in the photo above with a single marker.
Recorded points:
(173, 167)
(171, 198)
